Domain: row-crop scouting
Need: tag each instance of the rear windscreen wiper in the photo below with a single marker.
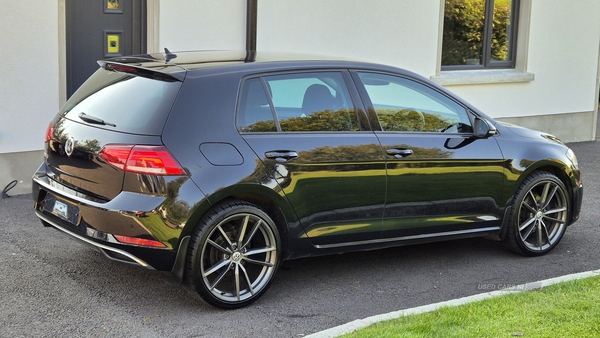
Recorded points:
(95, 120)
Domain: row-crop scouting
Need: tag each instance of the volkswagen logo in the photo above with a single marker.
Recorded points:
(70, 146)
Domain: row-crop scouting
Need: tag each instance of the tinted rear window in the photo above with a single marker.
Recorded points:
(134, 104)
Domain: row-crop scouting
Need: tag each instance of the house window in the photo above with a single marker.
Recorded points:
(479, 34)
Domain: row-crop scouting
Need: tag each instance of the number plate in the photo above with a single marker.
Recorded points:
(62, 209)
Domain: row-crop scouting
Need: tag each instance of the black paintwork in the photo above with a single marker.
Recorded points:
(364, 195)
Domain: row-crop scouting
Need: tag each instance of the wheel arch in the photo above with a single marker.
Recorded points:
(271, 202)
(556, 168)
(275, 205)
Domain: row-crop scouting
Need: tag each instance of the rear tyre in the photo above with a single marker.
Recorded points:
(234, 255)
(539, 215)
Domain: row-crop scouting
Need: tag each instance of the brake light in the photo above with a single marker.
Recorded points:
(139, 241)
(121, 68)
(152, 160)
(49, 132)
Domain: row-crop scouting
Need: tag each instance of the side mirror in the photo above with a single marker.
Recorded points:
(482, 128)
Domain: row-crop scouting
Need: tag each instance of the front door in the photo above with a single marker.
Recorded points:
(441, 179)
(100, 29)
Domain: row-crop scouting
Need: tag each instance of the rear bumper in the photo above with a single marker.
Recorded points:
(95, 224)
(109, 252)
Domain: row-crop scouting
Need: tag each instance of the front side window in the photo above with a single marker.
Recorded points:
(479, 34)
(297, 103)
(408, 106)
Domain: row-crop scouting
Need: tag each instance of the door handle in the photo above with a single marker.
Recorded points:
(281, 155)
(400, 153)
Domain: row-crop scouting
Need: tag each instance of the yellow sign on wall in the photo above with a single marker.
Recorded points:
(112, 43)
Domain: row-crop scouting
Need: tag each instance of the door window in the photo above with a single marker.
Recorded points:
(408, 106)
(297, 103)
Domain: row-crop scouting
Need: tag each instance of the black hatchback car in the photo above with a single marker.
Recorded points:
(216, 166)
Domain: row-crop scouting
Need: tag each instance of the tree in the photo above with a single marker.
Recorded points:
(464, 22)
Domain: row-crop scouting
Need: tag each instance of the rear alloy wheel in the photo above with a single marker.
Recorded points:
(234, 255)
(539, 216)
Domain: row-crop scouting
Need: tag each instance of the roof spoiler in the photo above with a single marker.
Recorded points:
(140, 71)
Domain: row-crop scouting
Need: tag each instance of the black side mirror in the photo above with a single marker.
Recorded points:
(482, 128)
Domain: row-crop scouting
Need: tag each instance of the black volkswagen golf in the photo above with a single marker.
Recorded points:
(217, 166)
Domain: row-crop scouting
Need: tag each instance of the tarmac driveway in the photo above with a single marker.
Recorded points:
(51, 285)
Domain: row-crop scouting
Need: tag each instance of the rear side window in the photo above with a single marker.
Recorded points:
(297, 103)
(134, 104)
(255, 109)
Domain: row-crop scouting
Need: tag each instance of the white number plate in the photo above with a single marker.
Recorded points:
(61, 210)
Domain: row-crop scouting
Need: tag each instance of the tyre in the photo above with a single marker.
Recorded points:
(233, 256)
(539, 215)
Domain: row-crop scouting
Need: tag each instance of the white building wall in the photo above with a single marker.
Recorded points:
(399, 33)
(29, 94)
(200, 24)
(29, 72)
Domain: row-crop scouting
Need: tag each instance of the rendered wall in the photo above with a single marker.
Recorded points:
(200, 24)
(29, 94)
(400, 33)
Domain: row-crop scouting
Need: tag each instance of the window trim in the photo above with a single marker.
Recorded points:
(486, 61)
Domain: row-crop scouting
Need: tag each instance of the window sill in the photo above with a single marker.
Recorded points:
(470, 77)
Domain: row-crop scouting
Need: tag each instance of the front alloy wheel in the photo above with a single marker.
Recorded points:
(539, 216)
(234, 255)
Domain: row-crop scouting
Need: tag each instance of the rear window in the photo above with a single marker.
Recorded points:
(137, 105)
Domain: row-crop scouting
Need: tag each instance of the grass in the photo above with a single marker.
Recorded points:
(569, 309)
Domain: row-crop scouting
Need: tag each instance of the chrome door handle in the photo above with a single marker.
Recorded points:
(281, 155)
(400, 153)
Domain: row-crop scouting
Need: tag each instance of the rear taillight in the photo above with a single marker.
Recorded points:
(152, 160)
(49, 132)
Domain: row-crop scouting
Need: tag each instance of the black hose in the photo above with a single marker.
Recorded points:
(7, 188)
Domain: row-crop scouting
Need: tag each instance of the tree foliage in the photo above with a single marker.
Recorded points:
(412, 120)
(327, 120)
(464, 22)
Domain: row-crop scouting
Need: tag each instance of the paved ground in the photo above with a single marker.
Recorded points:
(51, 285)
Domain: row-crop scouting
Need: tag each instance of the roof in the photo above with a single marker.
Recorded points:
(192, 59)
(175, 65)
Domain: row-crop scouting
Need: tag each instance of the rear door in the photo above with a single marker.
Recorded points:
(441, 179)
(307, 131)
